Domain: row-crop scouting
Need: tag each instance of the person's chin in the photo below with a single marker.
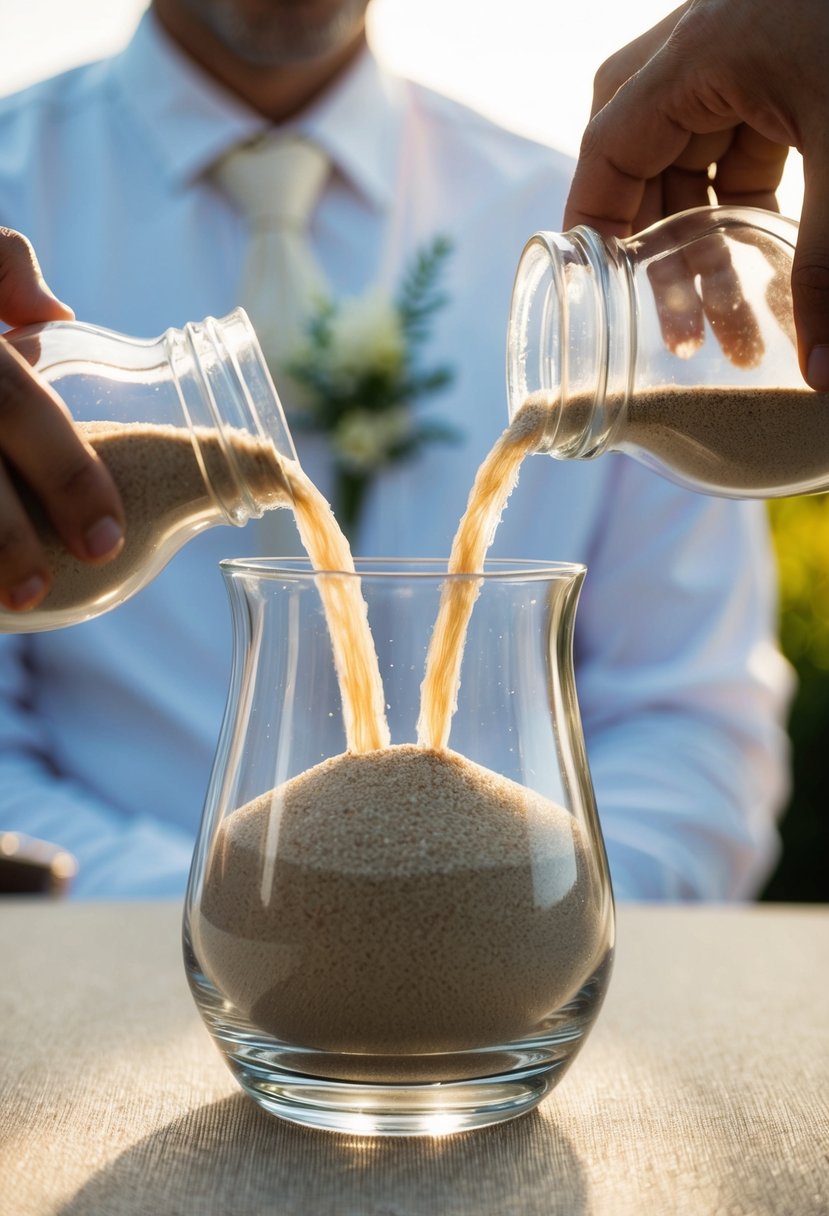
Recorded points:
(282, 32)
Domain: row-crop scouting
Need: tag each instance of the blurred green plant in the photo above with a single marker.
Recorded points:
(359, 373)
(800, 530)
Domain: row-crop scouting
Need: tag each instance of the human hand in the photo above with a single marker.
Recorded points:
(40, 447)
(731, 84)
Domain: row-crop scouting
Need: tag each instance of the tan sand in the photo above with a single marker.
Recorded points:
(162, 488)
(740, 439)
(417, 903)
(494, 482)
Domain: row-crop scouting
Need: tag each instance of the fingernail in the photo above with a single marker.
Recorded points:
(817, 369)
(27, 593)
(103, 538)
(47, 291)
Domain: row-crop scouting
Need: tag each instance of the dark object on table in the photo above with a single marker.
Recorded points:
(34, 867)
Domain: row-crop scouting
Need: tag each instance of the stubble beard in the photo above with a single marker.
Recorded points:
(282, 33)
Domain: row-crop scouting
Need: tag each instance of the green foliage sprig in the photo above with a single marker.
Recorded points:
(359, 374)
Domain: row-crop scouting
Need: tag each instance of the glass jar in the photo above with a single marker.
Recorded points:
(676, 346)
(406, 939)
(192, 430)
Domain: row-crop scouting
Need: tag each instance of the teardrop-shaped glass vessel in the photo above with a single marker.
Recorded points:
(404, 940)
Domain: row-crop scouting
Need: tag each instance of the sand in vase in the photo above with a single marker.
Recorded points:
(401, 901)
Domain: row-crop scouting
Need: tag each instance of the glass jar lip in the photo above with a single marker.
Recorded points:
(392, 569)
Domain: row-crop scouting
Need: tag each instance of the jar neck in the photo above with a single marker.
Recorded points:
(572, 338)
(225, 389)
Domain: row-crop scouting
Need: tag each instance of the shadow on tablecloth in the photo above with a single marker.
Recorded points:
(228, 1158)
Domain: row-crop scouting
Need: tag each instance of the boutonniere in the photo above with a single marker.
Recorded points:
(359, 374)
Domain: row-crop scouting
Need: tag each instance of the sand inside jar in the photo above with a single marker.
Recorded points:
(162, 488)
(758, 441)
(416, 903)
(742, 439)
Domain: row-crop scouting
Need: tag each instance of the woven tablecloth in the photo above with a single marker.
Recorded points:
(703, 1089)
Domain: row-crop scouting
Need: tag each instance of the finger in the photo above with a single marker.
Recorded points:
(778, 288)
(678, 306)
(683, 189)
(688, 182)
(627, 143)
(810, 274)
(697, 280)
(26, 342)
(729, 314)
(749, 169)
(651, 207)
(24, 577)
(704, 150)
(626, 62)
(38, 440)
(24, 295)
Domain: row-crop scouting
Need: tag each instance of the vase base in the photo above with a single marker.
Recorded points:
(424, 1094)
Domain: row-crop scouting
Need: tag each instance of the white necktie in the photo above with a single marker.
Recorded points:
(275, 182)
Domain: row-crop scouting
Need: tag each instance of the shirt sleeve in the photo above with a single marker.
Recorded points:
(683, 691)
(120, 855)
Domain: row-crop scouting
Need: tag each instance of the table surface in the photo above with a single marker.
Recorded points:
(703, 1089)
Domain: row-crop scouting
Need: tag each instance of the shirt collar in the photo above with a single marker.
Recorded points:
(359, 124)
(190, 120)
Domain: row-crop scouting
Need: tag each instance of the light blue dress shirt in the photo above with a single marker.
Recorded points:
(107, 730)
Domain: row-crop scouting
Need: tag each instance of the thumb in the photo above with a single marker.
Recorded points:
(24, 296)
(810, 276)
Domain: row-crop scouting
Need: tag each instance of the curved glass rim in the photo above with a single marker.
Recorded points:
(392, 568)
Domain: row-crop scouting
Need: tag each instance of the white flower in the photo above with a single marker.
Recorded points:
(354, 379)
(363, 439)
(366, 335)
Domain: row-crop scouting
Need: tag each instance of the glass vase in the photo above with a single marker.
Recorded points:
(404, 940)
